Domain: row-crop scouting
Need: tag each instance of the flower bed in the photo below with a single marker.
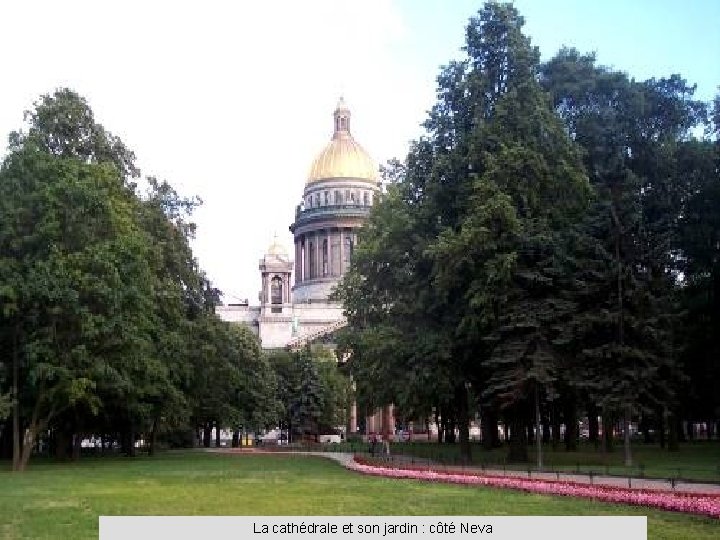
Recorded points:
(701, 504)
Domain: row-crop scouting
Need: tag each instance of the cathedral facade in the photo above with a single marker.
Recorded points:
(340, 189)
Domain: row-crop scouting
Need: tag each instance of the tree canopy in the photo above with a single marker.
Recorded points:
(531, 257)
(106, 317)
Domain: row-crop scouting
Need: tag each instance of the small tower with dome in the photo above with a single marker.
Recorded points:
(275, 270)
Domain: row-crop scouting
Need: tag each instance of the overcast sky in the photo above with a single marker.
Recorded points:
(232, 100)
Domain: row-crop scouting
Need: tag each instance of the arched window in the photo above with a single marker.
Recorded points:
(325, 269)
(276, 290)
(366, 198)
(317, 199)
(311, 256)
(338, 197)
(276, 294)
(327, 198)
(347, 196)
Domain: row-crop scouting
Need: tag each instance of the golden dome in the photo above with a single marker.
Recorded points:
(342, 157)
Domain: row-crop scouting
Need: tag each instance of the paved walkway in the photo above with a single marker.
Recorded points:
(346, 458)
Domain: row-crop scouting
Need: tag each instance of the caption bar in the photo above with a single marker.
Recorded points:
(373, 527)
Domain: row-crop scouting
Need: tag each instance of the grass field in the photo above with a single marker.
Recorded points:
(699, 461)
(60, 501)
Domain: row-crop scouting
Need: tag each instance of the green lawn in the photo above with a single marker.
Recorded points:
(55, 500)
(698, 461)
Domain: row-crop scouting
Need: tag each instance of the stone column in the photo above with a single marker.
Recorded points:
(299, 274)
(342, 251)
(318, 254)
(369, 425)
(353, 418)
(325, 255)
(336, 269)
(305, 275)
(298, 261)
(387, 429)
(310, 259)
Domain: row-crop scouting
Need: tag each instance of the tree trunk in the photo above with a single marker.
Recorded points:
(607, 437)
(593, 425)
(690, 427)
(440, 423)
(464, 425)
(16, 451)
(645, 428)
(490, 436)
(555, 419)
(27, 445)
(545, 429)
(571, 430)
(35, 427)
(76, 446)
(661, 427)
(217, 434)
(680, 429)
(530, 428)
(130, 441)
(673, 424)
(207, 434)
(450, 431)
(518, 441)
(236, 438)
(538, 423)
(153, 438)
(626, 436)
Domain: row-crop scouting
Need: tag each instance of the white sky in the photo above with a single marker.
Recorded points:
(231, 100)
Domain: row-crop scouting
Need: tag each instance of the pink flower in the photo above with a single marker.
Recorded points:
(701, 504)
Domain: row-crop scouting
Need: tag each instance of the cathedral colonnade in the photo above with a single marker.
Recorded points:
(323, 253)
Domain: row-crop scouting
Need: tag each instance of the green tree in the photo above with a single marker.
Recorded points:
(63, 124)
(632, 135)
(84, 291)
(458, 263)
(100, 293)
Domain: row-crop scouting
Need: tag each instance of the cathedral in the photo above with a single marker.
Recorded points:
(341, 186)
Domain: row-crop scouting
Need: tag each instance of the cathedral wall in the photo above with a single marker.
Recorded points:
(315, 290)
(247, 315)
(275, 333)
